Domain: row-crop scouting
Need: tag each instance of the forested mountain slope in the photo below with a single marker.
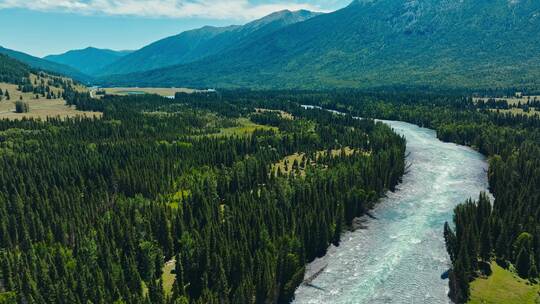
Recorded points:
(11, 70)
(88, 60)
(45, 65)
(443, 43)
(196, 44)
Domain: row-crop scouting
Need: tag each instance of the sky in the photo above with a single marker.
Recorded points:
(44, 27)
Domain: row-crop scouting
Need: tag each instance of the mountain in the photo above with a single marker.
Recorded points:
(196, 44)
(372, 43)
(45, 65)
(88, 60)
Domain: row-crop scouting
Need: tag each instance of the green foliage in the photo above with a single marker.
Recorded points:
(8, 298)
(21, 107)
(12, 71)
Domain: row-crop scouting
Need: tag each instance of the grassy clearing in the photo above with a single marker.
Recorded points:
(123, 91)
(286, 164)
(244, 127)
(510, 100)
(503, 287)
(518, 111)
(168, 276)
(282, 114)
(40, 107)
(514, 101)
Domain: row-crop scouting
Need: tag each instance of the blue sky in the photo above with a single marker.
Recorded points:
(42, 27)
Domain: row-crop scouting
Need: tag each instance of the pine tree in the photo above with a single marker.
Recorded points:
(485, 241)
(533, 271)
(523, 263)
(450, 241)
(155, 291)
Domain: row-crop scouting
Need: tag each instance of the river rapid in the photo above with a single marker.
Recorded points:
(400, 255)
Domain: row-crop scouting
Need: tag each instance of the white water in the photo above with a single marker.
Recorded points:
(401, 255)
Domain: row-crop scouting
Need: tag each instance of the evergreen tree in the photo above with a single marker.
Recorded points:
(523, 263)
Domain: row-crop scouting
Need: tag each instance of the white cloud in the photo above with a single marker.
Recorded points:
(216, 9)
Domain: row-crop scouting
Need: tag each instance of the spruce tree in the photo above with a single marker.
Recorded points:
(523, 263)
(533, 270)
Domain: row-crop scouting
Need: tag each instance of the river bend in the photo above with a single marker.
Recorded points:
(400, 256)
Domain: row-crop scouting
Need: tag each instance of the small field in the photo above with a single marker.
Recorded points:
(503, 287)
(168, 276)
(514, 101)
(282, 114)
(166, 92)
(286, 164)
(244, 127)
(519, 111)
(40, 107)
(510, 100)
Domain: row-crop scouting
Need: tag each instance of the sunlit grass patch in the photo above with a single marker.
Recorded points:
(503, 287)
(244, 127)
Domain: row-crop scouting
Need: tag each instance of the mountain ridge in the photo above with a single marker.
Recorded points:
(88, 60)
(46, 65)
(197, 44)
(379, 43)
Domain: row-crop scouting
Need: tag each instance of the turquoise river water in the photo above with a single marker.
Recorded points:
(400, 256)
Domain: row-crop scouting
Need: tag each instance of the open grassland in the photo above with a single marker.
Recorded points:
(243, 127)
(503, 287)
(135, 91)
(40, 107)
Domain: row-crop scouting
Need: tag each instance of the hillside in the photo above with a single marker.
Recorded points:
(43, 95)
(196, 44)
(379, 43)
(11, 70)
(45, 65)
(88, 60)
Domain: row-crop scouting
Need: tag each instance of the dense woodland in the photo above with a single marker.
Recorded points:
(12, 71)
(91, 209)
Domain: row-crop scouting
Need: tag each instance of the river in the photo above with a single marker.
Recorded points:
(400, 256)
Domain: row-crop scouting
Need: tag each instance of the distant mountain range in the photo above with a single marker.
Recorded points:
(196, 44)
(370, 43)
(89, 60)
(45, 65)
